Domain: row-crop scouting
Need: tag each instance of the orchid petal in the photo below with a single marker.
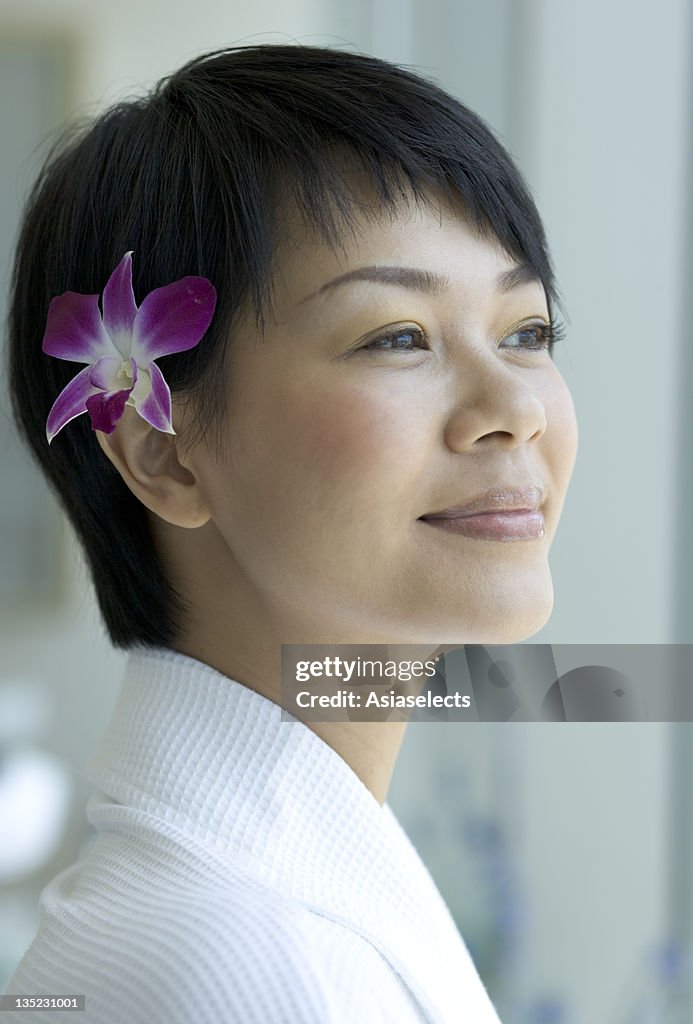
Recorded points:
(119, 308)
(106, 408)
(75, 331)
(155, 407)
(172, 319)
(71, 402)
(120, 347)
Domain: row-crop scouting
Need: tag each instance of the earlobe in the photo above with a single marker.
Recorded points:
(148, 461)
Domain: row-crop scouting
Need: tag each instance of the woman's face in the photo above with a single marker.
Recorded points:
(338, 443)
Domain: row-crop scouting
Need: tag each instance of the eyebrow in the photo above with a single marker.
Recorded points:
(426, 280)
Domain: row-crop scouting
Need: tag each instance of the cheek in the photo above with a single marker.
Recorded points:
(564, 429)
(560, 442)
(313, 480)
(352, 440)
(322, 458)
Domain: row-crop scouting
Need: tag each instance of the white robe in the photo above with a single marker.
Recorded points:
(242, 873)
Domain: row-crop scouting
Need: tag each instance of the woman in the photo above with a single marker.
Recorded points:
(347, 290)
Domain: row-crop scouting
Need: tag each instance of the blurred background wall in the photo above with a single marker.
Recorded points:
(554, 844)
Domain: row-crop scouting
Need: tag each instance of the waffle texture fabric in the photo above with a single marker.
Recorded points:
(240, 872)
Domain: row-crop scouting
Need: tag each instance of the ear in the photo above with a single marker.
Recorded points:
(156, 472)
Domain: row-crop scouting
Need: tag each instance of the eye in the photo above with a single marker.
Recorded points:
(406, 339)
(533, 338)
(541, 336)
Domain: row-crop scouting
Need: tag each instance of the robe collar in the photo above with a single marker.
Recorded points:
(223, 767)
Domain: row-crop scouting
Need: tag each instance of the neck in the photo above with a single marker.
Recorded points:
(240, 633)
(370, 748)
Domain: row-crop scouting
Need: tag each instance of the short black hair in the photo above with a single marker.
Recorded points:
(193, 177)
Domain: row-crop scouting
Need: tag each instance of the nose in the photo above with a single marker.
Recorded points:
(496, 405)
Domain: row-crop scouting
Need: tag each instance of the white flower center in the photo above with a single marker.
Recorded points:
(125, 370)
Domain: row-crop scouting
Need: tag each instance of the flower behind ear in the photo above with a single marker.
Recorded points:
(121, 345)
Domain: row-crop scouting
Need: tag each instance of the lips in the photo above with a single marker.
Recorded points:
(497, 499)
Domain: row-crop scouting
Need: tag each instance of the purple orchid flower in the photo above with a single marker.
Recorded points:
(120, 347)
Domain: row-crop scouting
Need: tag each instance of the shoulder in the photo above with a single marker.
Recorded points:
(232, 950)
(246, 954)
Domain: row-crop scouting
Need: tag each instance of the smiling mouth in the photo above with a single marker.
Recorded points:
(501, 498)
(509, 525)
